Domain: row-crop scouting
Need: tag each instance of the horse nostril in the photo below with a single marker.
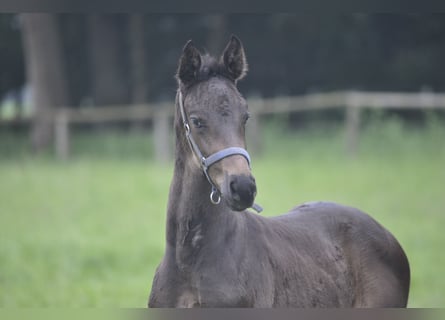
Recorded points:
(253, 190)
(234, 190)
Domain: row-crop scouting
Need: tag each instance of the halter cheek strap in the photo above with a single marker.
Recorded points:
(206, 162)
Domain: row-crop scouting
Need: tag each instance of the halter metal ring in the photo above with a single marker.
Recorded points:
(213, 194)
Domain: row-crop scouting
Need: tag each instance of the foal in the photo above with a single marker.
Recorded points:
(218, 254)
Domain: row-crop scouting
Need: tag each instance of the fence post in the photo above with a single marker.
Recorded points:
(62, 135)
(352, 123)
(161, 135)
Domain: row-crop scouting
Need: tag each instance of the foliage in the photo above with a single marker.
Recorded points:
(12, 74)
(295, 53)
(90, 231)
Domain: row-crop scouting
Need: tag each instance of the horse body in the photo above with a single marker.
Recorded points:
(317, 255)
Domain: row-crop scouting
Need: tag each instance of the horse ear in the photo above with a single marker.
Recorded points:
(189, 64)
(234, 59)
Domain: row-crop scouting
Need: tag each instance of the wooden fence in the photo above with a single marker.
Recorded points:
(353, 101)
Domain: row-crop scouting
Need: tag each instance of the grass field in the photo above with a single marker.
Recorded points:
(90, 231)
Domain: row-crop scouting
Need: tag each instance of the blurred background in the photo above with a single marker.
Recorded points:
(346, 108)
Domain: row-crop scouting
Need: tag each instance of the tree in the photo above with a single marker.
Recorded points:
(11, 61)
(45, 73)
(108, 63)
(216, 37)
(138, 59)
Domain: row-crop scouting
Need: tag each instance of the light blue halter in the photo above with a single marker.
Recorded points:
(206, 162)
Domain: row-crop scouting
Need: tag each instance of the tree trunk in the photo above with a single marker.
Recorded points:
(45, 73)
(138, 59)
(216, 38)
(107, 63)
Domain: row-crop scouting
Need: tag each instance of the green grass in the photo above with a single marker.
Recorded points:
(90, 231)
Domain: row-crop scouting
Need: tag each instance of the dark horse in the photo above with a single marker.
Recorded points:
(218, 254)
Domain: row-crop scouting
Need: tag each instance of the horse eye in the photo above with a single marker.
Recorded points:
(246, 117)
(198, 123)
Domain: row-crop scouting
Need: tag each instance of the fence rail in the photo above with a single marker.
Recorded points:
(353, 101)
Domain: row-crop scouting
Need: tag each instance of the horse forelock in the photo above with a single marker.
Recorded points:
(210, 68)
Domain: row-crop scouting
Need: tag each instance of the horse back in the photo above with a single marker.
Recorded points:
(375, 260)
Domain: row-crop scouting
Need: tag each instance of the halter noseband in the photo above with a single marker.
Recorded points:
(206, 162)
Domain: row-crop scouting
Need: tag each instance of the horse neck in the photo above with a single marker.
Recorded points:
(189, 203)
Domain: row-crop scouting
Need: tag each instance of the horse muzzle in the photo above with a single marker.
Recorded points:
(241, 192)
